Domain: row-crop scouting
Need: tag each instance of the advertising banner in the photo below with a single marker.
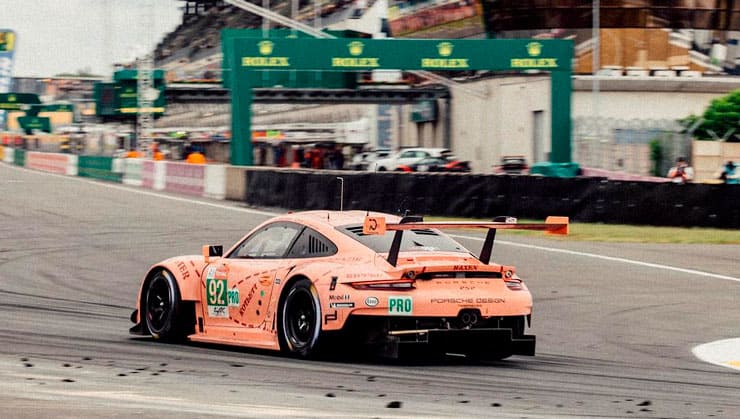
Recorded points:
(436, 19)
(7, 47)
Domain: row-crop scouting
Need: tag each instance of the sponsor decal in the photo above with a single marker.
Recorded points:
(218, 311)
(232, 296)
(342, 305)
(371, 301)
(183, 269)
(400, 305)
(344, 297)
(479, 300)
(277, 281)
(330, 317)
(534, 50)
(444, 49)
(355, 50)
(211, 272)
(265, 48)
(464, 268)
(364, 275)
(247, 300)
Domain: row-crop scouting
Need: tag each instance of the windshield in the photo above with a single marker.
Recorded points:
(426, 240)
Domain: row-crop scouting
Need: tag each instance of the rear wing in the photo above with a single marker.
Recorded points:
(378, 225)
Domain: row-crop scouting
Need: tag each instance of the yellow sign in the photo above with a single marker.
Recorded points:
(444, 49)
(148, 110)
(7, 41)
(534, 49)
(355, 49)
(265, 48)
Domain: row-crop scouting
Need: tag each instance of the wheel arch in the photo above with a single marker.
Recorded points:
(187, 305)
(286, 287)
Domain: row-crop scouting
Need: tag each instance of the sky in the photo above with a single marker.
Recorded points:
(66, 36)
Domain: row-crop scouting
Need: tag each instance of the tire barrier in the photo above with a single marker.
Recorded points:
(486, 196)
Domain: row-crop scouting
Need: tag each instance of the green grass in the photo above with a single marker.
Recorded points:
(618, 233)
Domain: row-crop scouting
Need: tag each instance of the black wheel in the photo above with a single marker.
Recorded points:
(300, 319)
(163, 311)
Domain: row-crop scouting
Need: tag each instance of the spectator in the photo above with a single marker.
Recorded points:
(730, 175)
(681, 172)
(338, 158)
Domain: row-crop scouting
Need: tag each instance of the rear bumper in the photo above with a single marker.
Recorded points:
(481, 343)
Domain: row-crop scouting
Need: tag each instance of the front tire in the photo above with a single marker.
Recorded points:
(164, 313)
(300, 320)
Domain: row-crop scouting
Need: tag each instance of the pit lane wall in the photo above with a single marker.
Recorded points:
(585, 199)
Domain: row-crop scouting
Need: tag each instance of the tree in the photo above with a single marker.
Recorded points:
(720, 120)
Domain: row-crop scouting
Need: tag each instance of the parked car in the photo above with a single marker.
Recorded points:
(407, 156)
(436, 164)
(361, 161)
(512, 165)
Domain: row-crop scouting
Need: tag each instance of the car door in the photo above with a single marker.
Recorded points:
(237, 288)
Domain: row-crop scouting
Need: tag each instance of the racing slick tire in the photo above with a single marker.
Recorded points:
(164, 312)
(300, 320)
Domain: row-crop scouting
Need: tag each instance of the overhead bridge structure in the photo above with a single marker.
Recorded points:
(199, 93)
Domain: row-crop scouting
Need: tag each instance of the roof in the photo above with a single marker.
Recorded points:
(335, 218)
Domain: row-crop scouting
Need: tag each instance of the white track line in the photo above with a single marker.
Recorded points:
(609, 258)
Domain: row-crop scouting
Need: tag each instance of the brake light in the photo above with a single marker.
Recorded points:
(514, 284)
(392, 285)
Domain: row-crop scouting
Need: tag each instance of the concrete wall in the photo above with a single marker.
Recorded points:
(648, 97)
(483, 130)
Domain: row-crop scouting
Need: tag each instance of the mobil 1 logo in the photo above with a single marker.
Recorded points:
(400, 305)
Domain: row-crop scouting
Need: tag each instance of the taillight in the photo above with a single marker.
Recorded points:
(391, 285)
(514, 284)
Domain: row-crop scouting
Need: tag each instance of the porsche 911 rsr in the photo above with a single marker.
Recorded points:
(303, 281)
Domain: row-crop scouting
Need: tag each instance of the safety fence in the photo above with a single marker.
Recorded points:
(587, 199)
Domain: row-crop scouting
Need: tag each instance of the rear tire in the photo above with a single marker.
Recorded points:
(164, 314)
(300, 320)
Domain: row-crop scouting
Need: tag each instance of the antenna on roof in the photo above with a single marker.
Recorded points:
(341, 194)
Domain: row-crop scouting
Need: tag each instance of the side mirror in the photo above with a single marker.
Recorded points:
(212, 251)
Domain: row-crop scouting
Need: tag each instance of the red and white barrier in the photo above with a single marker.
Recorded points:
(153, 174)
(63, 164)
(185, 178)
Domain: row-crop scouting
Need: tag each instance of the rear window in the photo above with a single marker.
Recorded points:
(426, 240)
